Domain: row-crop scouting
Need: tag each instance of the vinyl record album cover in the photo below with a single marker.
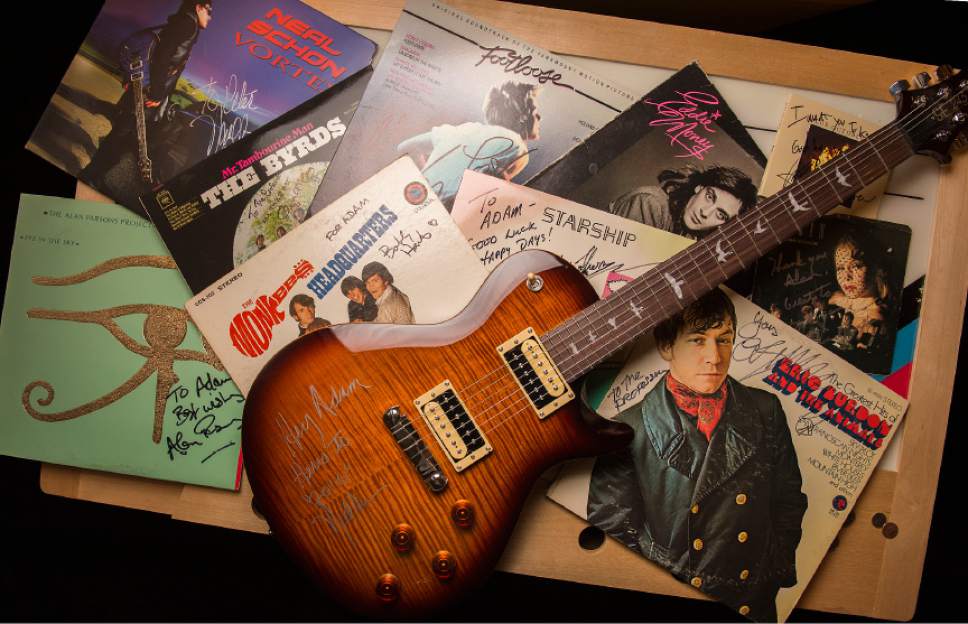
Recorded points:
(751, 446)
(455, 93)
(100, 366)
(386, 252)
(840, 283)
(678, 160)
(225, 209)
(158, 86)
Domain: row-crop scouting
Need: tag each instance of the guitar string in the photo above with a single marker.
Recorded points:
(890, 132)
(769, 213)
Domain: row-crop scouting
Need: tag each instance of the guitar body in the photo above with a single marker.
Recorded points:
(336, 484)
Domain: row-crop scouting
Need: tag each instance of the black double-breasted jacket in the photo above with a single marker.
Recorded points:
(724, 514)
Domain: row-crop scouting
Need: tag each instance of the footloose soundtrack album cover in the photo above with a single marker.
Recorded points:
(456, 94)
(751, 446)
(157, 87)
(810, 134)
(101, 366)
(678, 160)
(386, 252)
(840, 283)
(232, 205)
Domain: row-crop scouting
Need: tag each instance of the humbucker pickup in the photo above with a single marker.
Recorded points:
(452, 424)
(538, 377)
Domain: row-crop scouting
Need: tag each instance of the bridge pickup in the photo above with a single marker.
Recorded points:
(537, 376)
(414, 448)
(452, 424)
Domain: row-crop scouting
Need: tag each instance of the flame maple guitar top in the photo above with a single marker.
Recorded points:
(335, 483)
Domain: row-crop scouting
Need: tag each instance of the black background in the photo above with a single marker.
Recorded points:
(62, 559)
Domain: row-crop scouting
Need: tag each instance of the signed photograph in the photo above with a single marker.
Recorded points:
(678, 160)
(455, 94)
(227, 208)
(840, 283)
(103, 368)
(382, 254)
(751, 446)
(157, 87)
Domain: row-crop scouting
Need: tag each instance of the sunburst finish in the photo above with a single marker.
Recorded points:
(336, 486)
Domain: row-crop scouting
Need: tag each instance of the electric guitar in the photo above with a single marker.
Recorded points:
(391, 461)
(136, 53)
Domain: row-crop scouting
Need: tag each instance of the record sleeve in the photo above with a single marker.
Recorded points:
(235, 203)
(751, 446)
(455, 93)
(840, 283)
(385, 252)
(100, 366)
(156, 87)
(679, 160)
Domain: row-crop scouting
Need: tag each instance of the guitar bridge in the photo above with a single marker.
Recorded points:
(537, 376)
(414, 448)
(453, 426)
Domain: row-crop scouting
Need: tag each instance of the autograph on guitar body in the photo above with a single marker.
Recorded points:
(391, 461)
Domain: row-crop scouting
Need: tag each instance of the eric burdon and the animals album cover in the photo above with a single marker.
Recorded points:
(158, 86)
(752, 444)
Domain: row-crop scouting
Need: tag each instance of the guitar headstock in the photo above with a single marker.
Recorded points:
(934, 116)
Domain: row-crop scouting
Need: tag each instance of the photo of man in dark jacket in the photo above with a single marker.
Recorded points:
(710, 487)
(166, 60)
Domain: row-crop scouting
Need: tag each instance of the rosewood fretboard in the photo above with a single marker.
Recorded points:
(586, 339)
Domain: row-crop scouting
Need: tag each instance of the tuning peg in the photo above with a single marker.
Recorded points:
(961, 141)
(899, 87)
(923, 79)
(944, 72)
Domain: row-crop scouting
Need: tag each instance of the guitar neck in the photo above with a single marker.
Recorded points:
(139, 114)
(585, 340)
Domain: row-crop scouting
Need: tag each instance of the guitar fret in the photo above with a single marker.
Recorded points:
(702, 272)
(671, 285)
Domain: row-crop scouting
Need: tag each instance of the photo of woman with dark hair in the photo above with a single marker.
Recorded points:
(840, 284)
(690, 202)
(863, 292)
(498, 147)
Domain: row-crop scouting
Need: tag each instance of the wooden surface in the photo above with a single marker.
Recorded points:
(545, 541)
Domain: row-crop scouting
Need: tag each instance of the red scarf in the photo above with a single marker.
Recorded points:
(707, 409)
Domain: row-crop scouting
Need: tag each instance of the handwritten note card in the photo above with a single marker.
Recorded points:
(101, 367)
(500, 218)
(810, 134)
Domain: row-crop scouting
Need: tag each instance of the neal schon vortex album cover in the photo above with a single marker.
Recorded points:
(158, 86)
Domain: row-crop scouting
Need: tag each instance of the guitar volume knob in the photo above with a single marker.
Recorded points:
(402, 538)
(444, 565)
(388, 588)
(462, 514)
